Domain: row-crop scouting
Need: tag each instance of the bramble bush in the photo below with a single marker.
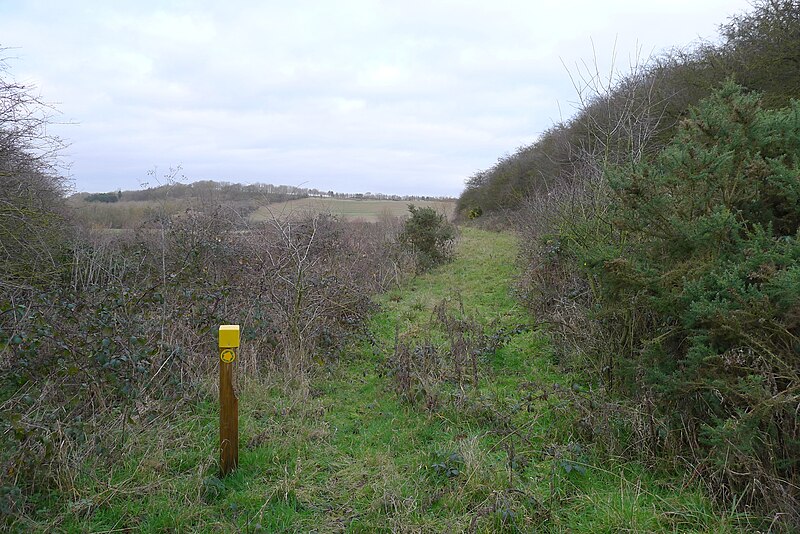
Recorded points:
(125, 334)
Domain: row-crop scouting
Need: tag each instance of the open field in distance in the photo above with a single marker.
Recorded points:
(133, 214)
(364, 210)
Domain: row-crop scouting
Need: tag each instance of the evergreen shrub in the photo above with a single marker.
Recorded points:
(429, 235)
(705, 244)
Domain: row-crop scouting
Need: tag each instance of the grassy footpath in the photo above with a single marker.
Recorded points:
(342, 451)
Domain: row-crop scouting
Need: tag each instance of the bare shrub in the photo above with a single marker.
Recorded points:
(127, 335)
(32, 220)
(299, 274)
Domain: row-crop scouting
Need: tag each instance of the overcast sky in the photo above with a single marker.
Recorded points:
(406, 97)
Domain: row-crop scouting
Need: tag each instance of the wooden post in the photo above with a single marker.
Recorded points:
(228, 403)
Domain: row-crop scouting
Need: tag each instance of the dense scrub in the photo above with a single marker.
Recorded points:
(129, 328)
(693, 274)
(128, 331)
(659, 230)
(103, 334)
(31, 190)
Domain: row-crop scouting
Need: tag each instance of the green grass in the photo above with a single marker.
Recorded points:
(340, 451)
(363, 210)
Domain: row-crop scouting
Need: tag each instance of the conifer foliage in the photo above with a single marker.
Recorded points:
(705, 243)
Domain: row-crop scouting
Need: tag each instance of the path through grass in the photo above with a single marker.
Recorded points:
(343, 451)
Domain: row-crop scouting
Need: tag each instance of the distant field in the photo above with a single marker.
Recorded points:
(133, 214)
(364, 210)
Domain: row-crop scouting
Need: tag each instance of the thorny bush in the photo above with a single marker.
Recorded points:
(126, 330)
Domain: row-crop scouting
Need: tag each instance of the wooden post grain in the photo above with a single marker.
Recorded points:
(228, 403)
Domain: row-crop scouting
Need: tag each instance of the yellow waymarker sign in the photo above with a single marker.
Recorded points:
(227, 355)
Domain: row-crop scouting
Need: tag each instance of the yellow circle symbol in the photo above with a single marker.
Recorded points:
(227, 355)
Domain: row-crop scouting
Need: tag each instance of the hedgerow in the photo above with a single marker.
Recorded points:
(687, 282)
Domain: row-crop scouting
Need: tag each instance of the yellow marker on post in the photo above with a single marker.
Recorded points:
(228, 403)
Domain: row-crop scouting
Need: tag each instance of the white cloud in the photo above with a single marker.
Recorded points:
(349, 95)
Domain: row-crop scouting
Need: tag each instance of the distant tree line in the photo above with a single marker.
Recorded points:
(383, 196)
(210, 190)
(104, 197)
(207, 190)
